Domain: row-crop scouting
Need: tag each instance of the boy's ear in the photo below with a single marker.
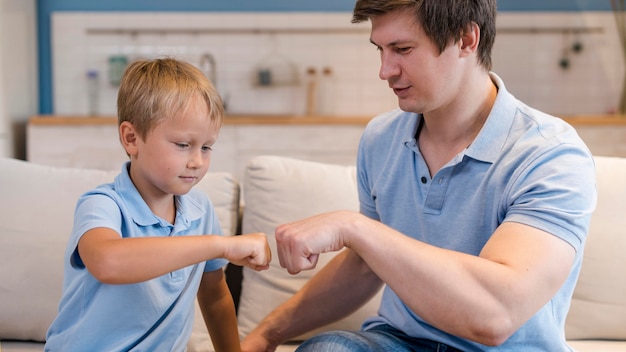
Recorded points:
(470, 38)
(129, 137)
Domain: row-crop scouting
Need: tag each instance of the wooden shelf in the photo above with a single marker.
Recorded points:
(596, 120)
(582, 120)
(56, 120)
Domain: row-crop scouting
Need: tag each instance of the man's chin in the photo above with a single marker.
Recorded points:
(408, 107)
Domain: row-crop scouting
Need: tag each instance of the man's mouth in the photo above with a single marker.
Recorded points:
(400, 91)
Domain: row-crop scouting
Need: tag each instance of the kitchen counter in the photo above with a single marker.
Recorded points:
(93, 142)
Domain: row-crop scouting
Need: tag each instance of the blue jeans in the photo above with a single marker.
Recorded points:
(382, 338)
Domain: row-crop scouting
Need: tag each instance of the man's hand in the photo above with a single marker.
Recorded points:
(300, 243)
(255, 342)
(250, 250)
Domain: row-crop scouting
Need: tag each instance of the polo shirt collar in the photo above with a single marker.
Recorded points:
(187, 209)
(492, 137)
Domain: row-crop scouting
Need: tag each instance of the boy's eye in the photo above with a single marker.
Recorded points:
(206, 148)
(182, 145)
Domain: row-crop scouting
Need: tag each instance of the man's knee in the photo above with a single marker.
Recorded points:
(337, 341)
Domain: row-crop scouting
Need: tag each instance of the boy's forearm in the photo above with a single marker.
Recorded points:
(218, 311)
(222, 326)
(115, 260)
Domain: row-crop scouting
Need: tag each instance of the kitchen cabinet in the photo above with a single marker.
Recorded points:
(605, 135)
(92, 142)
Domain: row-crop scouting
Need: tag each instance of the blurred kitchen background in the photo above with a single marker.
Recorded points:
(65, 57)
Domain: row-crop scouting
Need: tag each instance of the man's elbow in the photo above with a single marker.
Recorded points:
(494, 332)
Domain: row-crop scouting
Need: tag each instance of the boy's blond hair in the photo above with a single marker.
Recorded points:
(153, 90)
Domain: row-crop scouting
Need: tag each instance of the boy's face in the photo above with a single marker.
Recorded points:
(176, 154)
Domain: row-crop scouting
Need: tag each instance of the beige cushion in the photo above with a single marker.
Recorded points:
(278, 190)
(36, 215)
(598, 346)
(223, 190)
(598, 308)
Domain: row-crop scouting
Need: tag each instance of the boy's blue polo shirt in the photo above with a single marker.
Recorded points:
(155, 315)
(524, 166)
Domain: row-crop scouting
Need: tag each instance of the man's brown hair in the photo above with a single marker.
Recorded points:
(443, 21)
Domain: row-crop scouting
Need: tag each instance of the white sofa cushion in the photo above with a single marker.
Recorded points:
(598, 346)
(36, 215)
(598, 309)
(278, 190)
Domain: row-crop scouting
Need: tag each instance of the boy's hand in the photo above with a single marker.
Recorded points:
(251, 250)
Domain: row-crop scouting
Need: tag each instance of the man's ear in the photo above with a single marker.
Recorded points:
(470, 38)
(129, 137)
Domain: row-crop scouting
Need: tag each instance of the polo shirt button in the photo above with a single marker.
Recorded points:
(424, 179)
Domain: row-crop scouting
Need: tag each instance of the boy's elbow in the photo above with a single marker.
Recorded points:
(105, 277)
(105, 272)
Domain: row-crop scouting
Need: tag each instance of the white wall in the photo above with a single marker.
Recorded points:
(528, 61)
(18, 74)
(354, 61)
(5, 139)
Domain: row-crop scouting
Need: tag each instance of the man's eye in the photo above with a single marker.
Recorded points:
(404, 50)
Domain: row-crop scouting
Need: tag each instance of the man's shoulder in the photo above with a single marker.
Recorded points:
(547, 127)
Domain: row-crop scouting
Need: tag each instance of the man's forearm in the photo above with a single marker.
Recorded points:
(345, 284)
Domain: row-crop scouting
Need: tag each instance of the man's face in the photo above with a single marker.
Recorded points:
(423, 79)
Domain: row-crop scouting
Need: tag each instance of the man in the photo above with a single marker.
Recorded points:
(473, 206)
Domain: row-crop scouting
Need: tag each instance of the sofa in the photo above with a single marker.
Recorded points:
(36, 212)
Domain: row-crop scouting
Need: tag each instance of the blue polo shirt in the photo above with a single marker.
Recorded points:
(155, 315)
(524, 166)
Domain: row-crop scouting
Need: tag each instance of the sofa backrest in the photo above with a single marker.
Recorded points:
(598, 309)
(277, 190)
(36, 216)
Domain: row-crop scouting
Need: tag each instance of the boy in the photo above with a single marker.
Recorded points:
(144, 245)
